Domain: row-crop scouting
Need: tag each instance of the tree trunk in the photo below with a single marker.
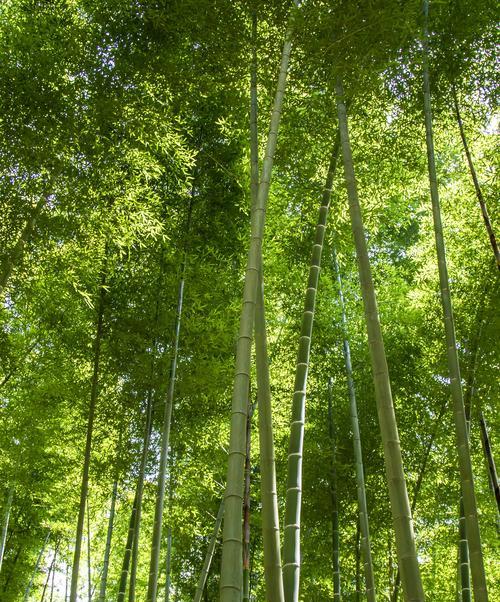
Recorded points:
(122, 587)
(464, 556)
(467, 480)
(291, 545)
(489, 459)
(358, 453)
(90, 427)
(109, 535)
(5, 525)
(231, 582)
(165, 435)
(477, 187)
(209, 555)
(334, 498)
(400, 506)
(17, 252)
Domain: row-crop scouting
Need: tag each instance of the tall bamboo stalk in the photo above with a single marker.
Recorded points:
(17, 252)
(168, 563)
(467, 479)
(109, 535)
(291, 546)
(358, 453)
(5, 524)
(418, 484)
(246, 507)
(334, 498)
(51, 568)
(89, 566)
(464, 560)
(477, 186)
(269, 496)
(140, 491)
(90, 427)
(122, 586)
(231, 582)
(209, 555)
(400, 506)
(485, 438)
(37, 566)
(154, 564)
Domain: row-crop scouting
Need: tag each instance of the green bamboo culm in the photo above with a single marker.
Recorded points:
(154, 564)
(358, 453)
(400, 506)
(90, 427)
(269, 495)
(209, 555)
(466, 476)
(334, 498)
(231, 581)
(107, 548)
(291, 546)
(5, 524)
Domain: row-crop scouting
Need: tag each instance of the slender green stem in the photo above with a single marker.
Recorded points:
(5, 524)
(291, 546)
(358, 453)
(334, 498)
(209, 555)
(231, 582)
(400, 506)
(467, 479)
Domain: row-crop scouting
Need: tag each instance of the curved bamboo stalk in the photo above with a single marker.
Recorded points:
(291, 546)
(400, 506)
(492, 470)
(209, 555)
(467, 479)
(358, 453)
(231, 582)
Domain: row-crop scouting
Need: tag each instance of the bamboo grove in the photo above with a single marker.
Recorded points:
(249, 281)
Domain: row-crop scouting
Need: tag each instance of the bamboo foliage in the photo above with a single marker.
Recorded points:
(400, 506)
(231, 583)
(291, 546)
(466, 476)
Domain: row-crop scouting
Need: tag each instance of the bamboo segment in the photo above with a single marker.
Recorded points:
(467, 479)
(291, 546)
(400, 506)
(231, 582)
